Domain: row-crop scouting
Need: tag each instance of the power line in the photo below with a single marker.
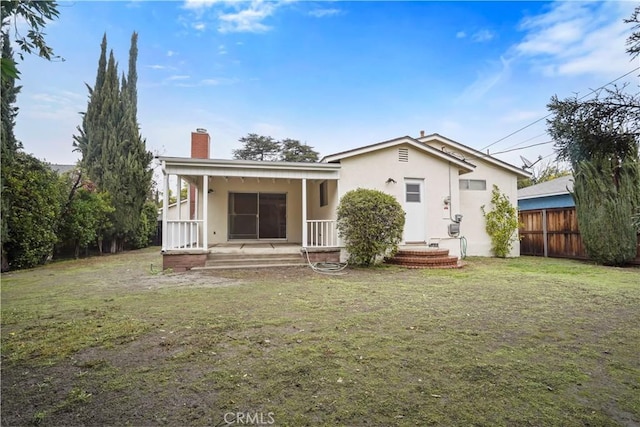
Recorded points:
(550, 114)
(521, 148)
(527, 140)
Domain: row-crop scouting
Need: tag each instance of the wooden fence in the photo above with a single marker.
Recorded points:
(554, 233)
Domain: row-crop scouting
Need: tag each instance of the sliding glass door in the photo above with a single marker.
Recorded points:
(257, 216)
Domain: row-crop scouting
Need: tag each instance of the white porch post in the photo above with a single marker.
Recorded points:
(178, 198)
(165, 210)
(205, 212)
(304, 212)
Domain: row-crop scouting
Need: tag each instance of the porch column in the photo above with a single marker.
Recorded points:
(165, 210)
(178, 198)
(304, 212)
(205, 212)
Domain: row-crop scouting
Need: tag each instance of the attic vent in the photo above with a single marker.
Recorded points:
(403, 154)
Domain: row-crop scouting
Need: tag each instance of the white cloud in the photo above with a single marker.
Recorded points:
(483, 36)
(461, 35)
(574, 38)
(199, 4)
(247, 20)
(170, 53)
(157, 67)
(487, 79)
(231, 16)
(321, 13)
(178, 77)
(222, 50)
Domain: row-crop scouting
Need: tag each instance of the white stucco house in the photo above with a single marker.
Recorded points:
(233, 202)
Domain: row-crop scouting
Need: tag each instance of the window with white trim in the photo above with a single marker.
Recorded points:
(473, 184)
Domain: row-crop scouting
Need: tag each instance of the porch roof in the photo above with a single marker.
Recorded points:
(248, 168)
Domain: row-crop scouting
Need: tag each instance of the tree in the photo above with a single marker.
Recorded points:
(35, 14)
(371, 223)
(501, 223)
(633, 42)
(606, 126)
(265, 148)
(257, 147)
(86, 215)
(604, 214)
(113, 151)
(600, 138)
(292, 150)
(34, 191)
(10, 145)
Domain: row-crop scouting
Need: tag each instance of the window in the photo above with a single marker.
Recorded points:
(413, 193)
(324, 194)
(473, 184)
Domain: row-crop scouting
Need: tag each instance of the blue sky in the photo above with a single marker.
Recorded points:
(336, 75)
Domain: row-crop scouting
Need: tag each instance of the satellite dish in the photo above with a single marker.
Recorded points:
(526, 164)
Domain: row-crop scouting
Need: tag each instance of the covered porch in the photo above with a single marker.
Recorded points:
(247, 206)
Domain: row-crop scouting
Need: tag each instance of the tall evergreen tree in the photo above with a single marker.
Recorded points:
(10, 144)
(114, 153)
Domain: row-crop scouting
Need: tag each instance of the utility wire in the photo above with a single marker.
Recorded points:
(550, 114)
(521, 148)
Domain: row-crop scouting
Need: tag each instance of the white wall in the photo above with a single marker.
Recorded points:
(184, 211)
(373, 169)
(473, 224)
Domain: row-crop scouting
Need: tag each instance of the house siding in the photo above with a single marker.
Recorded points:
(373, 169)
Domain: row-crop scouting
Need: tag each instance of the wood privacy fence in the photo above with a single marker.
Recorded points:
(554, 233)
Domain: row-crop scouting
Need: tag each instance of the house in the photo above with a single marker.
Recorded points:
(440, 183)
(555, 193)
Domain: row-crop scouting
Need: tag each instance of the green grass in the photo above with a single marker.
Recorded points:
(527, 341)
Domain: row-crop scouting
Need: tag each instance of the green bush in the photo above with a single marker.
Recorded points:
(34, 193)
(606, 199)
(371, 224)
(501, 223)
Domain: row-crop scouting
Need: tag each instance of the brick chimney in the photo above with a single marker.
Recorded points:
(200, 143)
(421, 134)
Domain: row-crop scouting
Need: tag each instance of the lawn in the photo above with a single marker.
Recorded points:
(113, 341)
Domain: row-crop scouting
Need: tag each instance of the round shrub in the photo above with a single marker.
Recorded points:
(371, 223)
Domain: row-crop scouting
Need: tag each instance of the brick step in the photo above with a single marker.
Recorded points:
(251, 261)
(424, 260)
(256, 256)
(238, 266)
(426, 253)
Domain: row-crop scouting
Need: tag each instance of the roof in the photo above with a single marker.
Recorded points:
(473, 154)
(463, 164)
(248, 168)
(554, 187)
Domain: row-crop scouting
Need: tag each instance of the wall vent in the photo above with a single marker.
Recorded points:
(403, 154)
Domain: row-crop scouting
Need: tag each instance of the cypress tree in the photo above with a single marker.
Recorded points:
(606, 196)
(114, 152)
(89, 140)
(10, 145)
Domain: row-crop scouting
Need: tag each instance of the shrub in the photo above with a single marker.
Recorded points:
(501, 223)
(606, 198)
(371, 224)
(34, 194)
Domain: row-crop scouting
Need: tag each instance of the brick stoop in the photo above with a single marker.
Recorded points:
(425, 258)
